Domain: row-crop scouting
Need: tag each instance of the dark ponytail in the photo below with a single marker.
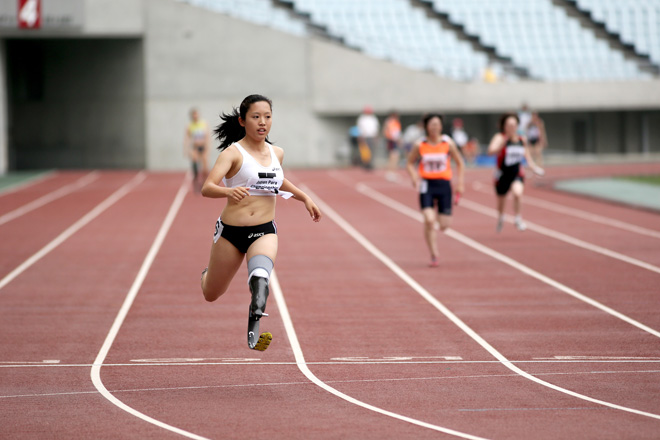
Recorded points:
(230, 130)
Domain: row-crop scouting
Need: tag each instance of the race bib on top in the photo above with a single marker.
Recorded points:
(434, 162)
(267, 187)
(514, 155)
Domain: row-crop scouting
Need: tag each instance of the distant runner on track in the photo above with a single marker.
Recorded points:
(196, 146)
(432, 178)
(511, 148)
(251, 171)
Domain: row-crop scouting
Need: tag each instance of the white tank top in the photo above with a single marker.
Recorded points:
(261, 180)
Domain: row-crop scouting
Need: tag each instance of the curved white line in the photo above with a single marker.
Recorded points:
(68, 232)
(302, 365)
(47, 198)
(448, 313)
(123, 311)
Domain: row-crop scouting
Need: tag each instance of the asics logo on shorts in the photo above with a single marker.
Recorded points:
(258, 234)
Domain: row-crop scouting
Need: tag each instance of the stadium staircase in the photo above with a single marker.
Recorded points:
(587, 20)
(475, 41)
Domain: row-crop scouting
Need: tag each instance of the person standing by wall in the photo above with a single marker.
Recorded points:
(537, 138)
(458, 134)
(392, 134)
(368, 127)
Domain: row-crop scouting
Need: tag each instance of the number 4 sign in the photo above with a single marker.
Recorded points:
(29, 14)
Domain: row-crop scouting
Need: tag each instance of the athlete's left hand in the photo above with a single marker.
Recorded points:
(313, 210)
(538, 171)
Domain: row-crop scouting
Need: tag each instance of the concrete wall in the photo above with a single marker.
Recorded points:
(123, 18)
(194, 57)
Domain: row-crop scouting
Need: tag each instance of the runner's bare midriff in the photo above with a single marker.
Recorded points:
(251, 211)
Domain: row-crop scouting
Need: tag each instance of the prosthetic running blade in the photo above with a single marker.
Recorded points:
(262, 342)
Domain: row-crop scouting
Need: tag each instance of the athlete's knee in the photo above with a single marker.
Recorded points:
(429, 218)
(445, 223)
(260, 266)
(259, 269)
(517, 189)
(211, 293)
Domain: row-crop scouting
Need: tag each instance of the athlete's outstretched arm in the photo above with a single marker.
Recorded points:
(456, 155)
(496, 143)
(537, 169)
(413, 157)
(299, 194)
(223, 164)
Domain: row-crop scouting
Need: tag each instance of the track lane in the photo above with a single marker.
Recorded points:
(219, 397)
(27, 192)
(624, 287)
(629, 244)
(61, 308)
(21, 239)
(340, 197)
(27, 183)
(170, 313)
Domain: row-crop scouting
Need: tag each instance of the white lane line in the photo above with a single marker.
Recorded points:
(545, 361)
(22, 185)
(481, 209)
(350, 230)
(82, 222)
(47, 198)
(123, 311)
(302, 365)
(387, 201)
(584, 215)
(269, 384)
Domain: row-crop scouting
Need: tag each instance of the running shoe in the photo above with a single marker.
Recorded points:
(434, 262)
(500, 223)
(520, 225)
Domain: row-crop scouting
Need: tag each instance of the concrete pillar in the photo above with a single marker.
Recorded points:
(4, 154)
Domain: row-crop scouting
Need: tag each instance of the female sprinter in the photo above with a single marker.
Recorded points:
(511, 149)
(433, 179)
(251, 170)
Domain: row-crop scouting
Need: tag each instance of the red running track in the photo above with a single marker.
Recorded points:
(180, 364)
